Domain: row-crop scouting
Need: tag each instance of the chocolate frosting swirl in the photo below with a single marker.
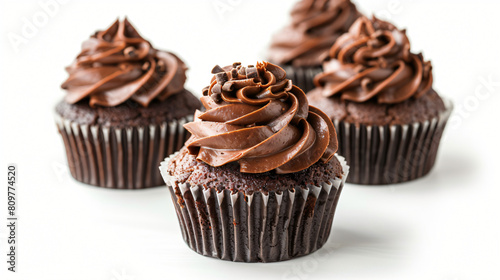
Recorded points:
(373, 60)
(316, 24)
(117, 64)
(258, 118)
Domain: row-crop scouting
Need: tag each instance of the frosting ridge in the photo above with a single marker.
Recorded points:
(373, 60)
(315, 26)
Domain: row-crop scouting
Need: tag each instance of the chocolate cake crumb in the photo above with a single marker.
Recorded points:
(410, 111)
(186, 169)
(130, 113)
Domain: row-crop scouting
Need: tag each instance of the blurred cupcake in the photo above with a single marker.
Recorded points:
(380, 98)
(124, 109)
(258, 180)
(301, 47)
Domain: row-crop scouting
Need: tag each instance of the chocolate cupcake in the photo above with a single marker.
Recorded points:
(124, 109)
(380, 98)
(258, 180)
(301, 47)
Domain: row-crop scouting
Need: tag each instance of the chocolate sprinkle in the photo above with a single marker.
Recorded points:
(227, 87)
(217, 69)
(216, 89)
(221, 77)
(251, 72)
(242, 71)
(234, 73)
(216, 97)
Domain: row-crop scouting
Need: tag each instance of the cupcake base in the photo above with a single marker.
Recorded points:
(120, 157)
(389, 154)
(120, 147)
(259, 227)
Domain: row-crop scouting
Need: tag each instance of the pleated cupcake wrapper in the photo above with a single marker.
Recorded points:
(303, 77)
(258, 227)
(120, 157)
(391, 154)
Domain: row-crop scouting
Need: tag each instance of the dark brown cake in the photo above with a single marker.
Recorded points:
(410, 111)
(130, 113)
(124, 108)
(187, 169)
(258, 180)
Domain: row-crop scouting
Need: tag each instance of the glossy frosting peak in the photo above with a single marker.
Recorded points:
(373, 60)
(258, 118)
(117, 64)
(316, 24)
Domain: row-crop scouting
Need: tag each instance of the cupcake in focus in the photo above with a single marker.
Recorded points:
(124, 109)
(380, 97)
(259, 180)
(301, 47)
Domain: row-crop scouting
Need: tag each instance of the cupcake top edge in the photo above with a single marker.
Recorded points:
(117, 65)
(256, 117)
(183, 168)
(373, 61)
(314, 27)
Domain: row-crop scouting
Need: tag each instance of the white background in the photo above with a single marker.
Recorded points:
(444, 226)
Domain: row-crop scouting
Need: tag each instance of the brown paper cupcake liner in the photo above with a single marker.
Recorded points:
(120, 157)
(258, 227)
(303, 77)
(391, 154)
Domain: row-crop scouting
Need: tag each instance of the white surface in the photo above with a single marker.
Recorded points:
(444, 226)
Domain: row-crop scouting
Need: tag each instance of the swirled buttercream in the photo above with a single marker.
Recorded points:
(117, 64)
(258, 118)
(373, 60)
(315, 26)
